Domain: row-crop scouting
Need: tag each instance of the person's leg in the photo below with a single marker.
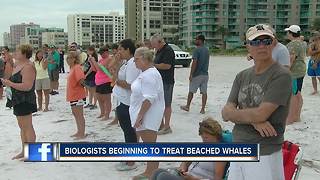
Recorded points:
(26, 132)
(101, 105)
(125, 123)
(90, 89)
(108, 106)
(103, 100)
(1, 92)
(293, 109)
(39, 94)
(77, 111)
(46, 100)
(204, 103)
(299, 96)
(314, 85)
(168, 108)
(203, 90)
(149, 136)
(193, 87)
(167, 116)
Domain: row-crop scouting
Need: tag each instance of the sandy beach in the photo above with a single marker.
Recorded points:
(58, 124)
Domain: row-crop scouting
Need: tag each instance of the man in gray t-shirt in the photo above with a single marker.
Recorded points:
(199, 73)
(258, 106)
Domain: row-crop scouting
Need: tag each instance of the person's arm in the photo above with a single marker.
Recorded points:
(184, 166)
(193, 68)
(79, 76)
(28, 76)
(132, 72)
(219, 170)
(166, 62)
(146, 104)
(162, 66)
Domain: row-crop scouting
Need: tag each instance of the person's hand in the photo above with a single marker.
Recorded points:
(138, 121)
(183, 168)
(265, 129)
(117, 57)
(6, 82)
(226, 111)
(249, 57)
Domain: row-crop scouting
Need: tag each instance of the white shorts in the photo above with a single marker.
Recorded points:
(270, 167)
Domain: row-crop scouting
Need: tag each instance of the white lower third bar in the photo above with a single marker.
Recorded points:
(88, 158)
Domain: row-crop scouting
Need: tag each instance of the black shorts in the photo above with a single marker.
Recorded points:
(24, 109)
(80, 102)
(1, 85)
(105, 88)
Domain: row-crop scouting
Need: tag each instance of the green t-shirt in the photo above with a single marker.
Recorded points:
(298, 67)
(56, 57)
(249, 90)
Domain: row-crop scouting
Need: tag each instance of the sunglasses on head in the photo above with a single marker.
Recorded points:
(257, 42)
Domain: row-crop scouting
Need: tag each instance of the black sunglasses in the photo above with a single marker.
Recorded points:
(257, 42)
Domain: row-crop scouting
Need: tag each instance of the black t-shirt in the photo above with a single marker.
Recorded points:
(166, 56)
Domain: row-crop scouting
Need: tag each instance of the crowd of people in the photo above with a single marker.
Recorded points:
(139, 79)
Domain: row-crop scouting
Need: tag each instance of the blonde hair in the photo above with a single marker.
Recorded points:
(210, 126)
(26, 50)
(74, 55)
(146, 53)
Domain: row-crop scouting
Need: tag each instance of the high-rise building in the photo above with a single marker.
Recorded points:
(6, 39)
(59, 39)
(17, 31)
(33, 35)
(236, 16)
(96, 29)
(147, 17)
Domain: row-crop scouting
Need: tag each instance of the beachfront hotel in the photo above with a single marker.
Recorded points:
(95, 29)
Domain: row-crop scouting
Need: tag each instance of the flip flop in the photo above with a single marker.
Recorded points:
(184, 108)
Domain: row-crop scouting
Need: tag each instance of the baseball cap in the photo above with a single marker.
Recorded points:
(258, 30)
(293, 28)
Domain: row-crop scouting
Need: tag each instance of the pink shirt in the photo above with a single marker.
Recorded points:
(101, 77)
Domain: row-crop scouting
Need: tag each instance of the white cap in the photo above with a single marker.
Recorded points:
(258, 30)
(293, 28)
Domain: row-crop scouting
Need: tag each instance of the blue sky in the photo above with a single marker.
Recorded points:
(51, 13)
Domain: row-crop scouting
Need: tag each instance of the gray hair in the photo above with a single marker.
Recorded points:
(146, 53)
(158, 38)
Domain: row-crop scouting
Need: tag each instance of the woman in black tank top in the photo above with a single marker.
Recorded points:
(24, 103)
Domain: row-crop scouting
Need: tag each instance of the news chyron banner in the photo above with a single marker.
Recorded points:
(140, 152)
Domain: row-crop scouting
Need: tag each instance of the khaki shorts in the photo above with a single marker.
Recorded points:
(199, 82)
(42, 84)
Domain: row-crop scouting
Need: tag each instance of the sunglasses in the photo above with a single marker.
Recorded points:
(257, 42)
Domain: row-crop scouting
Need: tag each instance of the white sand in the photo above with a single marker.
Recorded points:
(58, 125)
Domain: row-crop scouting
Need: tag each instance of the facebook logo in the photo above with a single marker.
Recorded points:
(40, 152)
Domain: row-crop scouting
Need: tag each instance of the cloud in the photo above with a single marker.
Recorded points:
(51, 13)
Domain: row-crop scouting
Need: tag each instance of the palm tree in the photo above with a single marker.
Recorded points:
(223, 32)
(316, 24)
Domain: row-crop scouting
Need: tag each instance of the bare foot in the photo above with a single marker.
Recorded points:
(314, 93)
(185, 108)
(106, 118)
(46, 110)
(74, 135)
(18, 156)
(100, 116)
(202, 111)
(78, 137)
(114, 122)
(39, 109)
